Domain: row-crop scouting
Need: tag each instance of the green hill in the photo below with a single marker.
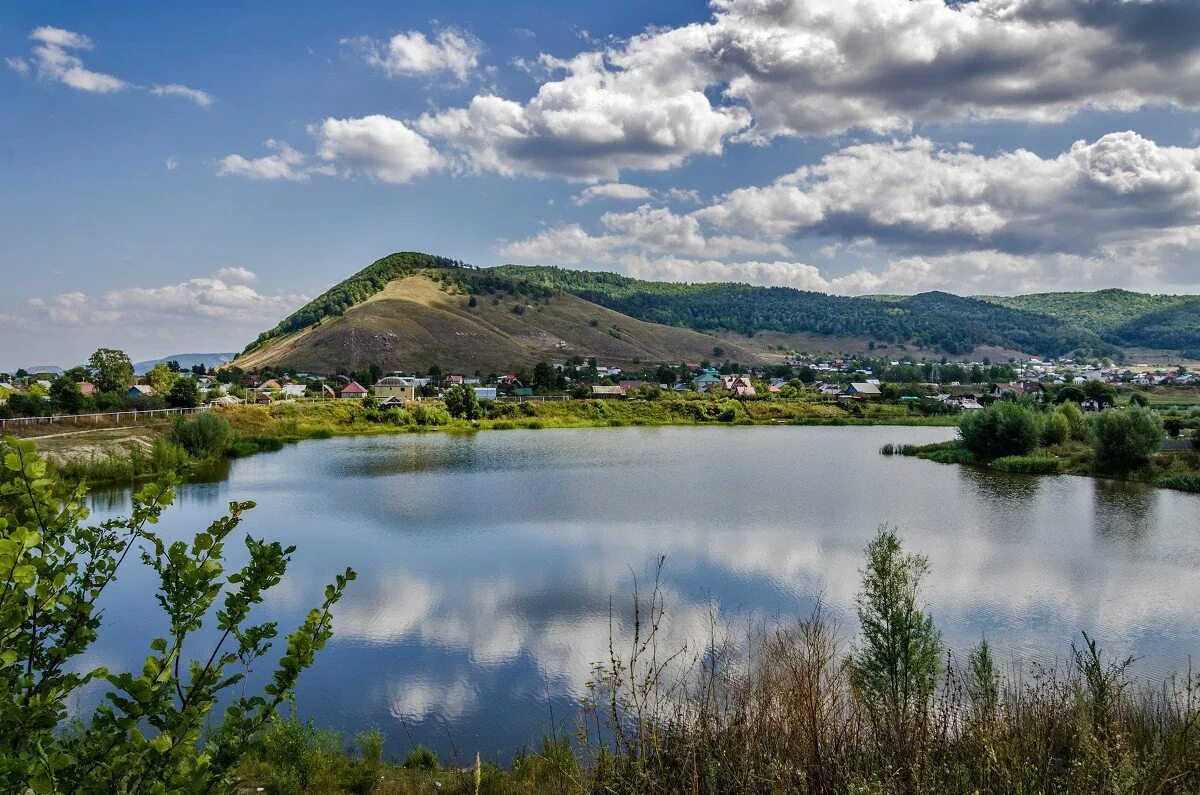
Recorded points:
(410, 310)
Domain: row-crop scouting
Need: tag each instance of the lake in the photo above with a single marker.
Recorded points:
(487, 562)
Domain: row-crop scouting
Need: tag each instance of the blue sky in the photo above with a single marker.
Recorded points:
(177, 177)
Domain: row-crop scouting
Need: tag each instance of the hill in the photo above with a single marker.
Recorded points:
(1120, 317)
(186, 361)
(415, 321)
(410, 310)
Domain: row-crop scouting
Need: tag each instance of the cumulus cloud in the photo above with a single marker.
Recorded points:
(615, 191)
(378, 146)
(224, 297)
(1121, 210)
(286, 163)
(758, 69)
(914, 196)
(412, 53)
(201, 98)
(646, 229)
(588, 125)
(55, 57)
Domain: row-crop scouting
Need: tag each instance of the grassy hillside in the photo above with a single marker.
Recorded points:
(415, 322)
(410, 310)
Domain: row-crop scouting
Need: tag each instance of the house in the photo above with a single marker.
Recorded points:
(739, 385)
(293, 390)
(270, 385)
(391, 401)
(862, 389)
(601, 391)
(705, 382)
(353, 390)
(829, 389)
(394, 386)
(485, 393)
(226, 400)
(454, 380)
(628, 385)
(327, 392)
(139, 390)
(969, 404)
(263, 397)
(1091, 404)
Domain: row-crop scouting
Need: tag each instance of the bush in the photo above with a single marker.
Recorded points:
(1124, 440)
(1002, 429)
(1075, 421)
(426, 415)
(502, 425)
(204, 435)
(461, 402)
(421, 758)
(1056, 430)
(148, 733)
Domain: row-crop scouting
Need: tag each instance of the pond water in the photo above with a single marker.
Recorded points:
(487, 562)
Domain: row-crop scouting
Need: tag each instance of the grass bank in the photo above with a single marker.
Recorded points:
(1169, 469)
(257, 429)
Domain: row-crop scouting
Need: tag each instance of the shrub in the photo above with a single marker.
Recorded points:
(421, 758)
(1002, 429)
(426, 415)
(1125, 440)
(1056, 430)
(502, 425)
(204, 435)
(148, 732)
(461, 402)
(1075, 421)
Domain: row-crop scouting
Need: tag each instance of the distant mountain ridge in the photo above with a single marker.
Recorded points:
(186, 361)
(362, 319)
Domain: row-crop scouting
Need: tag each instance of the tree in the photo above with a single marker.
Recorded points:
(1070, 394)
(149, 733)
(1138, 399)
(173, 366)
(111, 369)
(1105, 394)
(1003, 428)
(1125, 440)
(66, 395)
(896, 664)
(807, 375)
(161, 378)
(461, 402)
(184, 394)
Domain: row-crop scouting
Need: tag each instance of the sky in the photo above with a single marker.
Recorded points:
(178, 177)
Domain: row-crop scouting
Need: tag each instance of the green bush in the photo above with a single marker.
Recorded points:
(502, 425)
(1124, 440)
(1056, 430)
(204, 435)
(1002, 429)
(1181, 482)
(427, 415)
(421, 758)
(153, 728)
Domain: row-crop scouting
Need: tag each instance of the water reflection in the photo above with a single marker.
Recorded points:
(487, 563)
(1124, 513)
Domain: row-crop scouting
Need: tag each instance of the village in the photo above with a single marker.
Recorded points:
(938, 387)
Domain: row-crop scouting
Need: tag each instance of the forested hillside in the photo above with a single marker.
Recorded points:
(933, 320)
(1051, 324)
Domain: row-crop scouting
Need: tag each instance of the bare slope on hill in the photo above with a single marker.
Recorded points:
(413, 323)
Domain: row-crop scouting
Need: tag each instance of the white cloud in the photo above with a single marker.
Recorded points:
(615, 191)
(237, 275)
(765, 68)
(172, 163)
(54, 62)
(646, 229)
(201, 98)
(452, 50)
(286, 163)
(225, 298)
(1121, 190)
(379, 146)
(55, 57)
(588, 125)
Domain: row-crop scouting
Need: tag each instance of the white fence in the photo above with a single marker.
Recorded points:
(96, 419)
